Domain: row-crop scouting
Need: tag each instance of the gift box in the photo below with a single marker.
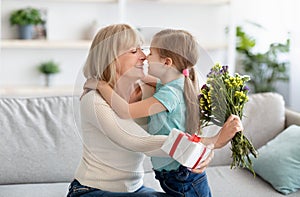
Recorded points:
(186, 149)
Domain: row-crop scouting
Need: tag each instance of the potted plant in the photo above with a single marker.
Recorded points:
(48, 69)
(265, 69)
(26, 19)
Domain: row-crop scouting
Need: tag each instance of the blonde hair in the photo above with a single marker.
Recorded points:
(107, 45)
(182, 48)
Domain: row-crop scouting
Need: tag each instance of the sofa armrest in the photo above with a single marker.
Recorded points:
(291, 117)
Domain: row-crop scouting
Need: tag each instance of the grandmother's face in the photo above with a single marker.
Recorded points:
(131, 63)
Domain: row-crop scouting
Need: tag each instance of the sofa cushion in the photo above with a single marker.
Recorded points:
(279, 161)
(264, 118)
(224, 181)
(35, 190)
(39, 140)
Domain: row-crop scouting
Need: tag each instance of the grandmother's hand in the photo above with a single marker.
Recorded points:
(203, 165)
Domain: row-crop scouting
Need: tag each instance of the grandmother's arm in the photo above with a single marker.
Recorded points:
(232, 125)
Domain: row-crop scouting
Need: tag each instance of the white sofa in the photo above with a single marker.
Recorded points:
(40, 147)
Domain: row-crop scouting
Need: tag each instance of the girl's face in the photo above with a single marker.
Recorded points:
(131, 63)
(156, 63)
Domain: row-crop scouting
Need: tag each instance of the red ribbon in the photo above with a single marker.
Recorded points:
(199, 159)
(173, 149)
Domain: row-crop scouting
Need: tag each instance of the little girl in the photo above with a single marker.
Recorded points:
(173, 54)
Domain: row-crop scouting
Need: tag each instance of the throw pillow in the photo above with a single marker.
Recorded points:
(278, 161)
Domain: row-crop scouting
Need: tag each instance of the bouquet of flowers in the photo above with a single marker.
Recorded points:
(221, 96)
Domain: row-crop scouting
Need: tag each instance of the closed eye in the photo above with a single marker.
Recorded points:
(133, 51)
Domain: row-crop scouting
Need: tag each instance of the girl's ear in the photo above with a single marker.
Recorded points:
(168, 61)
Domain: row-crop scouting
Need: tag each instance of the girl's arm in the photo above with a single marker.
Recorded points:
(139, 109)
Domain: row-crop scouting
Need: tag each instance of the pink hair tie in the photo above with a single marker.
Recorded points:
(186, 72)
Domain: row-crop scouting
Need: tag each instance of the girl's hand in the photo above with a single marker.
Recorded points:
(102, 84)
(232, 125)
(90, 84)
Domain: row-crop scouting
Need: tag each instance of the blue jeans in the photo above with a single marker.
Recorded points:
(183, 183)
(78, 190)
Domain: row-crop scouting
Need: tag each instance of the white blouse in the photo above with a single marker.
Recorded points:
(113, 148)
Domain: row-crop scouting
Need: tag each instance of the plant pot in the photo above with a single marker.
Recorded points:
(48, 80)
(26, 32)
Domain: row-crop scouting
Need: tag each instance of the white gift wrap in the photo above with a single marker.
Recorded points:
(180, 147)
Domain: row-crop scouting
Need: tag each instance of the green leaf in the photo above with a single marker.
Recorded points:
(26, 16)
(49, 67)
(265, 69)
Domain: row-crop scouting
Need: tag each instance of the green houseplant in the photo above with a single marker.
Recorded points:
(265, 69)
(48, 68)
(26, 18)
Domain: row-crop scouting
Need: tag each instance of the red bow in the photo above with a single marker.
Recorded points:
(194, 138)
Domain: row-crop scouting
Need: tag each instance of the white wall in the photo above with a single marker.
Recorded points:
(65, 21)
(20, 70)
(277, 19)
(69, 21)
